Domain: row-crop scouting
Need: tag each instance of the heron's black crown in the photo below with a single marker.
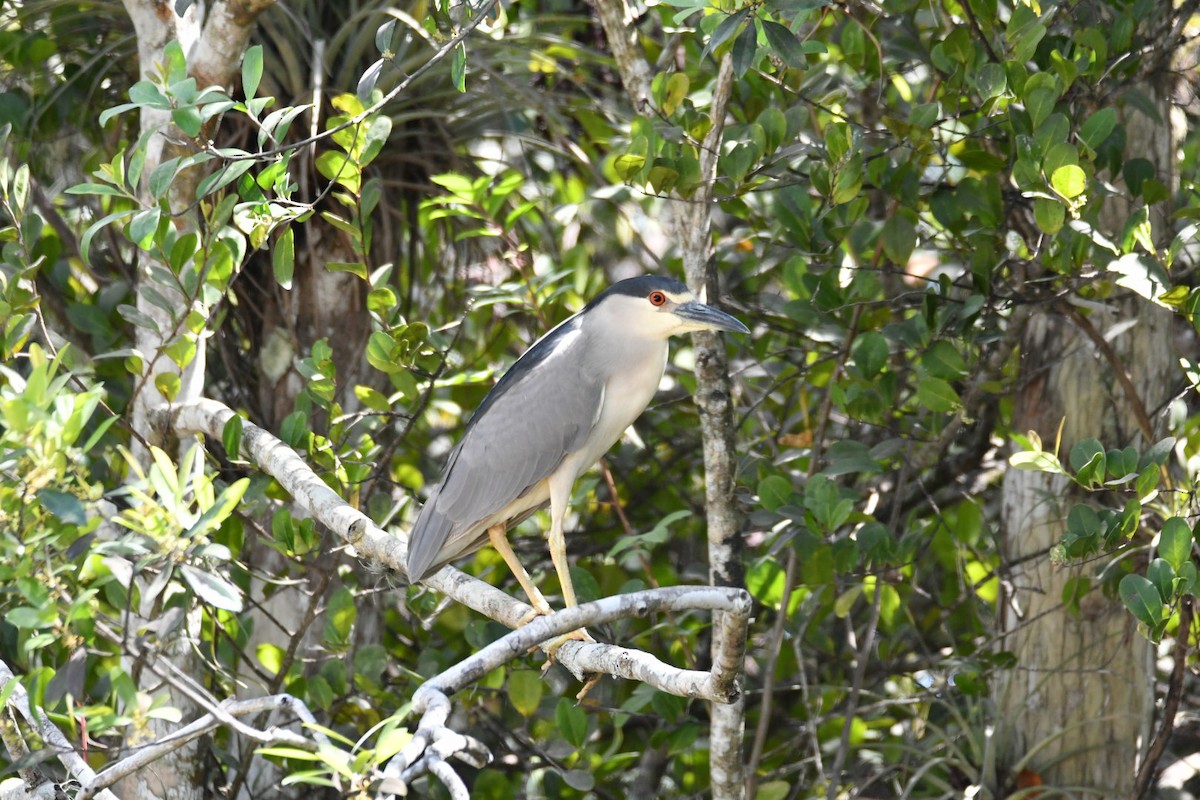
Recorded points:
(640, 286)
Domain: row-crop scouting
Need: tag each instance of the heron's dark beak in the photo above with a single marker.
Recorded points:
(701, 317)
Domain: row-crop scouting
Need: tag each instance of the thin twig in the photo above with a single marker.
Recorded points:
(1149, 768)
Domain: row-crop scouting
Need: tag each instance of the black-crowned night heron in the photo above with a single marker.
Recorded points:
(556, 411)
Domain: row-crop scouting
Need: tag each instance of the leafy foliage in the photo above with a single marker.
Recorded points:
(898, 186)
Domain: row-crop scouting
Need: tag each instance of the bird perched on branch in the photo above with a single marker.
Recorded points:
(556, 411)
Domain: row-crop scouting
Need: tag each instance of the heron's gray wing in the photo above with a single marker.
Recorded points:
(541, 410)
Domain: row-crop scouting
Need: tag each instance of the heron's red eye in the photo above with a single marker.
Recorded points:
(657, 298)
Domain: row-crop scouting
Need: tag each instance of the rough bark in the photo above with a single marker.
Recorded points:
(714, 397)
(1079, 701)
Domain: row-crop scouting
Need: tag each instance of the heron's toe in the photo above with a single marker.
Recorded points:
(580, 635)
(536, 611)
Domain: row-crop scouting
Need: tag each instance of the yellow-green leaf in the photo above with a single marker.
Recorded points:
(1070, 181)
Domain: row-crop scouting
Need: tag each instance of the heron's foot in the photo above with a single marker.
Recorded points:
(580, 635)
(544, 610)
(591, 681)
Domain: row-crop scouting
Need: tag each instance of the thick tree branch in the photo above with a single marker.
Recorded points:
(617, 19)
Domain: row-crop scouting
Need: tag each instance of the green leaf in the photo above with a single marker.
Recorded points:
(219, 511)
(370, 77)
(386, 39)
(1084, 452)
(1049, 214)
(1074, 590)
(1141, 274)
(1147, 483)
(1158, 453)
(1141, 597)
(728, 27)
(936, 394)
(572, 722)
(353, 267)
(1122, 464)
(1160, 573)
(340, 616)
(924, 115)
(579, 779)
(212, 588)
(109, 113)
(168, 385)
(31, 618)
(677, 89)
(774, 491)
(65, 507)
(1059, 155)
(294, 753)
(1040, 105)
(143, 227)
(1098, 127)
(1136, 172)
(991, 80)
(744, 48)
(738, 161)
(1036, 461)
(278, 122)
(1175, 542)
(765, 582)
(525, 690)
(341, 168)
(188, 119)
(252, 69)
(270, 656)
(785, 44)
(231, 437)
(849, 181)
(846, 600)
(1188, 578)
(899, 238)
(870, 352)
(145, 93)
(227, 174)
(283, 259)
(374, 138)
(849, 457)
(96, 188)
(1024, 32)
(774, 125)
(942, 360)
(458, 67)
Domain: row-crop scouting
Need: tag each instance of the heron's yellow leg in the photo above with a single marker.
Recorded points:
(558, 554)
(499, 540)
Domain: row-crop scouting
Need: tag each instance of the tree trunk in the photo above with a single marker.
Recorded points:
(1077, 705)
(214, 44)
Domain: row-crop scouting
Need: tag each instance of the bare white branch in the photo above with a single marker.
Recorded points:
(433, 743)
(584, 658)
